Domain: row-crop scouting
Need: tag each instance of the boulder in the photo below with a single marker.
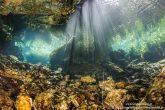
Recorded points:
(156, 93)
(87, 79)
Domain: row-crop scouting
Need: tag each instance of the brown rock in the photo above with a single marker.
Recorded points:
(116, 98)
(83, 106)
(87, 79)
(108, 85)
(23, 102)
(120, 85)
(75, 102)
(28, 78)
(12, 73)
(62, 106)
(91, 88)
(94, 107)
(19, 5)
(156, 94)
(44, 100)
(5, 102)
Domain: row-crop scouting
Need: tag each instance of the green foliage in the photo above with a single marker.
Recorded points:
(139, 25)
(140, 37)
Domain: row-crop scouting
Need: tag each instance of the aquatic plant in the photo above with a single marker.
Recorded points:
(140, 38)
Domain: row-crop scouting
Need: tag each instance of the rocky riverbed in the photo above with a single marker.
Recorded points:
(25, 86)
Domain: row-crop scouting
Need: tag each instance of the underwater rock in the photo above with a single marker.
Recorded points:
(136, 92)
(162, 62)
(14, 58)
(83, 106)
(12, 73)
(36, 14)
(146, 67)
(119, 57)
(142, 73)
(75, 102)
(23, 102)
(94, 107)
(87, 79)
(10, 80)
(56, 7)
(10, 86)
(91, 88)
(54, 90)
(116, 94)
(155, 52)
(44, 100)
(156, 92)
(6, 103)
(59, 70)
(108, 85)
(5, 34)
(120, 85)
(28, 78)
(116, 98)
(57, 58)
(8, 36)
(62, 106)
(85, 69)
(113, 67)
(13, 51)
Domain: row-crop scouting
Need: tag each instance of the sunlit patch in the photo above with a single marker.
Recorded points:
(37, 49)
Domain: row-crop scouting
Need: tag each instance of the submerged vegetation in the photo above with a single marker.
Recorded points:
(140, 39)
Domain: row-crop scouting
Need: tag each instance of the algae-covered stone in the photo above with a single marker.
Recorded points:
(108, 85)
(116, 98)
(5, 101)
(156, 94)
(44, 100)
(62, 106)
(23, 102)
(87, 79)
(120, 85)
(83, 106)
(45, 7)
(94, 107)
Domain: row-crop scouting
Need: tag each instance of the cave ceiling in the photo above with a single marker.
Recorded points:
(39, 12)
